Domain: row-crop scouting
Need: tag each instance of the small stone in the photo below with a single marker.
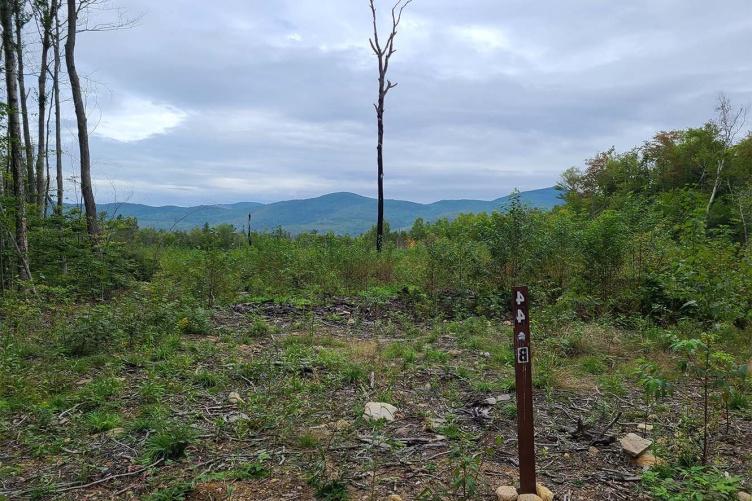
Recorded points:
(342, 425)
(485, 354)
(634, 445)
(235, 398)
(593, 451)
(351, 321)
(743, 496)
(645, 427)
(506, 397)
(490, 401)
(237, 416)
(394, 497)
(506, 493)
(544, 492)
(375, 411)
(646, 460)
(529, 497)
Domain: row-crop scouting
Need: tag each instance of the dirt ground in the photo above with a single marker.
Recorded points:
(302, 387)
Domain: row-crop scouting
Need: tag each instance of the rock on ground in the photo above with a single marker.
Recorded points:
(646, 460)
(634, 445)
(529, 497)
(544, 492)
(235, 398)
(506, 493)
(743, 496)
(379, 410)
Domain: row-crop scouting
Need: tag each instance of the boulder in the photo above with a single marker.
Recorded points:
(375, 411)
(506, 493)
(544, 492)
(634, 445)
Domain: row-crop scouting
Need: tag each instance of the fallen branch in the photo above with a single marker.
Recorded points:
(110, 477)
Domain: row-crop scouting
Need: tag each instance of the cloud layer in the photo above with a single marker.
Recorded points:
(248, 100)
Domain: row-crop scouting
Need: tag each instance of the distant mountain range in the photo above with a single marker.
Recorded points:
(342, 213)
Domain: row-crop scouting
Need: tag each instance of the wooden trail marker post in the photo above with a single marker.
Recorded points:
(524, 387)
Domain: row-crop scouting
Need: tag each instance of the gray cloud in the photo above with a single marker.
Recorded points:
(208, 102)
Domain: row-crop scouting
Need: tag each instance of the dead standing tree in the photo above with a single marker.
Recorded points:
(384, 54)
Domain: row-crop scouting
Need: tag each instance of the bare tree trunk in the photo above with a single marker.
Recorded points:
(45, 12)
(47, 198)
(11, 82)
(380, 167)
(383, 54)
(22, 97)
(83, 133)
(718, 173)
(56, 92)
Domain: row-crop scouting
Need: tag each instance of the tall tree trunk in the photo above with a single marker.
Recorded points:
(56, 92)
(383, 53)
(380, 166)
(47, 197)
(83, 133)
(46, 10)
(24, 109)
(11, 82)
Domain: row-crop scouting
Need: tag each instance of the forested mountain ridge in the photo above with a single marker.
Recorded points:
(341, 213)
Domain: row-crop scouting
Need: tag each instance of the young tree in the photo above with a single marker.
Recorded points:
(87, 191)
(46, 11)
(14, 135)
(384, 54)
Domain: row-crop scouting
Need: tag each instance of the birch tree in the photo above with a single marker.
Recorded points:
(729, 123)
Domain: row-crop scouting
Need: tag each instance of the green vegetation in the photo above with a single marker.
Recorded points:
(203, 360)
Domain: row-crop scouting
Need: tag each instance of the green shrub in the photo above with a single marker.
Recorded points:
(170, 442)
(670, 483)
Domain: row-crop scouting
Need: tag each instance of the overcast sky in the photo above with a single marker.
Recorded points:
(246, 100)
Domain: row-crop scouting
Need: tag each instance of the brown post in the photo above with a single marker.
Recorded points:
(524, 386)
